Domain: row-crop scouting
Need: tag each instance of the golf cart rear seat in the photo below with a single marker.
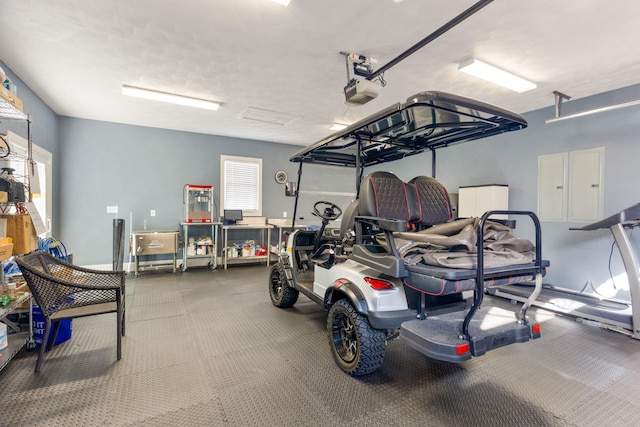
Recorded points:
(389, 204)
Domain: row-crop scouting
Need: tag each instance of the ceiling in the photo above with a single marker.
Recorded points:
(77, 54)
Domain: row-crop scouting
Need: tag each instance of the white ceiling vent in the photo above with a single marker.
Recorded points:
(267, 116)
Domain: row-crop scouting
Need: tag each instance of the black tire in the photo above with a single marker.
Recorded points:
(282, 295)
(355, 346)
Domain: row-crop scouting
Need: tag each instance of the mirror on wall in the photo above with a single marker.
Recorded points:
(290, 189)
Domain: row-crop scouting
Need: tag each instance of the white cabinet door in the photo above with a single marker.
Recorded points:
(586, 179)
(467, 202)
(552, 187)
(475, 201)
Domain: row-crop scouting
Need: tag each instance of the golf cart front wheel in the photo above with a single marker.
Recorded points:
(356, 347)
(282, 295)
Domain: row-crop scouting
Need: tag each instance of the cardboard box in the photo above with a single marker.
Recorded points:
(22, 288)
(10, 97)
(6, 250)
(21, 229)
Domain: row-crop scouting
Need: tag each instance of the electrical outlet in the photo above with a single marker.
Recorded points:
(284, 214)
(112, 209)
(153, 212)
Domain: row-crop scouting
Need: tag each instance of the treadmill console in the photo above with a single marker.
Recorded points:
(630, 216)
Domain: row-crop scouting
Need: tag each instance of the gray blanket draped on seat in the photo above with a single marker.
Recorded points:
(454, 245)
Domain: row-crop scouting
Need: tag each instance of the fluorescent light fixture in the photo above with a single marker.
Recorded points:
(495, 75)
(282, 2)
(337, 126)
(169, 97)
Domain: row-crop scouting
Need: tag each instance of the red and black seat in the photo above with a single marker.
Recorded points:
(389, 204)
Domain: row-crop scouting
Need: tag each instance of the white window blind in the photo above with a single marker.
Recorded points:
(242, 184)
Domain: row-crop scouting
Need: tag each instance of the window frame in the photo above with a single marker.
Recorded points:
(223, 183)
(40, 156)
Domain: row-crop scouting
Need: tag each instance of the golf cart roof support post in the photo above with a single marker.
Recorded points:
(358, 167)
(295, 205)
(431, 37)
(433, 163)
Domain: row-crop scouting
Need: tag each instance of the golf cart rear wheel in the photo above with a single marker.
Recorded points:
(282, 295)
(356, 347)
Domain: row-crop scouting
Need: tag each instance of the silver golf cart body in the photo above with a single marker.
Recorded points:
(369, 291)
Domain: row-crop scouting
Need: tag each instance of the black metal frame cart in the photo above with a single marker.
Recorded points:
(208, 251)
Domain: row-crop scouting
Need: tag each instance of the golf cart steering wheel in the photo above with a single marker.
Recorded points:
(331, 211)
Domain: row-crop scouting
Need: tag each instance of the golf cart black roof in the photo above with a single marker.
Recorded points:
(426, 121)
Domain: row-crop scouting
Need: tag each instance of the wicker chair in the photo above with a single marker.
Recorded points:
(64, 291)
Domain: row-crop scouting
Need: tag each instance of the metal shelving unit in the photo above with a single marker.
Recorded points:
(211, 256)
(17, 341)
(9, 112)
(261, 228)
(198, 212)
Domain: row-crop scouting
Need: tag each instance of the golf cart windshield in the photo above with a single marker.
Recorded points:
(426, 121)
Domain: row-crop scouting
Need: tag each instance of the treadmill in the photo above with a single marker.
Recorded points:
(617, 315)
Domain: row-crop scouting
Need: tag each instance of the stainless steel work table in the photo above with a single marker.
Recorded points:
(226, 229)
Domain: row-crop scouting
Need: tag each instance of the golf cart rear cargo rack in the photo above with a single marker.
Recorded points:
(391, 205)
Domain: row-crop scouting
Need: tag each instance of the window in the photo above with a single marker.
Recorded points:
(43, 159)
(241, 183)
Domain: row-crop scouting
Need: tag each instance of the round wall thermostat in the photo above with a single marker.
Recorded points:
(281, 177)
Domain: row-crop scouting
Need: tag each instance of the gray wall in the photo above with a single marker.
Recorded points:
(576, 257)
(139, 169)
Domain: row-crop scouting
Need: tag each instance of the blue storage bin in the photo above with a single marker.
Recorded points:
(64, 332)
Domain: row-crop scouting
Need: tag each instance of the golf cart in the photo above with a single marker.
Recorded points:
(376, 276)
